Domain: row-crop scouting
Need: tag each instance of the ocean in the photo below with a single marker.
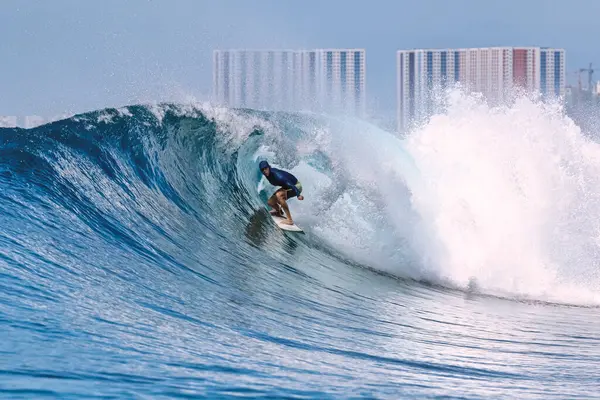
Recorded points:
(461, 261)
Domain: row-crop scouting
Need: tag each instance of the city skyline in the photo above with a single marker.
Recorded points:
(29, 121)
(96, 55)
(492, 71)
(330, 80)
(301, 79)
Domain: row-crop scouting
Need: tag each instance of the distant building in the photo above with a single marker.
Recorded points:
(59, 117)
(495, 72)
(31, 121)
(8, 121)
(290, 80)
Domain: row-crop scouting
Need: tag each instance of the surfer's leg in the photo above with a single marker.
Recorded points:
(281, 198)
(274, 203)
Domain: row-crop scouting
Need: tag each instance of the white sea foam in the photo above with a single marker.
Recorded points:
(506, 200)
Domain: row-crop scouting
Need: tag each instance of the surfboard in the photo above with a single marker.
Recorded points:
(285, 227)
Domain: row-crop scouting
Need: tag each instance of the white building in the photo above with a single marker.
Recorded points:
(318, 80)
(495, 72)
(9, 121)
(32, 121)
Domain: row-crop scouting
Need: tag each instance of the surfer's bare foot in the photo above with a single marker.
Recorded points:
(277, 213)
(287, 222)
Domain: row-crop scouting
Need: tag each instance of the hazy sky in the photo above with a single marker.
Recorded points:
(73, 56)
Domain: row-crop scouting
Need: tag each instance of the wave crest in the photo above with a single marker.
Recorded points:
(499, 199)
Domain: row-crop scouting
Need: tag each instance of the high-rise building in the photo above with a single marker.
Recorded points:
(495, 72)
(32, 121)
(317, 80)
(8, 121)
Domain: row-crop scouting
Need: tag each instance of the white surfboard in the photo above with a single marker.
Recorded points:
(285, 227)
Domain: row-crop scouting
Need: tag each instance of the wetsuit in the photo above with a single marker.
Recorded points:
(286, 180)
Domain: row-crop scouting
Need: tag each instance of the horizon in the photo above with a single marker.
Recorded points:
(69, 57)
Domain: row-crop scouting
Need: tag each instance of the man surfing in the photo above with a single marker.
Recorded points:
(290, 187)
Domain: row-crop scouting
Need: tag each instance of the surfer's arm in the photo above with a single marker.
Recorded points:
(295, 189)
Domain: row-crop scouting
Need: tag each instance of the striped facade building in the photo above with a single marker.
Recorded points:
(331, 80)
(495, 72)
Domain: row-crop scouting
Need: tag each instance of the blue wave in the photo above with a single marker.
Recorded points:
(137, 260)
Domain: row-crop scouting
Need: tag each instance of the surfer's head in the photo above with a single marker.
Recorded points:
(264, 167)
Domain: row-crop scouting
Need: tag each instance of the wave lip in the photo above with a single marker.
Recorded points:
(507, 196)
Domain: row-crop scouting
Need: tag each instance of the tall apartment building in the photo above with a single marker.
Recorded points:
(318, 80)
(495, 72)
(8, 121)
(33, 121)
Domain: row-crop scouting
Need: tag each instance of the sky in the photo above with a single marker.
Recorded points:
(70, 56)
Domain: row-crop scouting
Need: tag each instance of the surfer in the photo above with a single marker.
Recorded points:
(290, 187)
